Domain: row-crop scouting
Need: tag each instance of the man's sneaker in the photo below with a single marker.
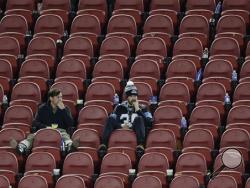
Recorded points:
(139, 149)
(20, 148)
(73, 146)
(103, 147)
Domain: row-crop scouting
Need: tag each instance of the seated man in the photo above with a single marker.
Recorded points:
(128, 115)
(52, 114)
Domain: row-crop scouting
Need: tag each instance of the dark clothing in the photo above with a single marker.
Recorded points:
(125, 113)
(45, 117)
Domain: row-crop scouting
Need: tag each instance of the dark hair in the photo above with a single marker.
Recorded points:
(53, 93)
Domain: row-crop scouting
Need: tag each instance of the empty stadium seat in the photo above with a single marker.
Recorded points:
(29, 181)
(147, 180)
(188, 181)
(70, 180)
(111, 181)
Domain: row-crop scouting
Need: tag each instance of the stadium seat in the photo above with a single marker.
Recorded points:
(188, 181)
(195, 26)
(225, 180)
(70, 180)
(81, 164)
(49, 25)
(110, 181)
(92, 116)
(14, 26)
(162, 141)
(100, 93)
(241, 94)
(89, 141)
(159, 25)
(42, 47)
(147, 180)
(98, 8)
(4, 182)
(155, 164)
(170, 8)
(29, 181)
(192, 163)
(168, 117)
(123, 25)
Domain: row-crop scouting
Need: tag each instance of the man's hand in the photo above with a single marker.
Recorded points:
(136, 105)
(60, 105)
(125, 125)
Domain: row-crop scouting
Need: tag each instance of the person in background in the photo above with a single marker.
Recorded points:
(52, 114)
(128, 115)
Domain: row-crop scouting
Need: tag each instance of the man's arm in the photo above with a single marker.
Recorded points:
(67, 117)
(38, 122)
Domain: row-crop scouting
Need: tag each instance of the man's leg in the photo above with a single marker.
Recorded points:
(110, 126)
(24, 145)
(139, 128)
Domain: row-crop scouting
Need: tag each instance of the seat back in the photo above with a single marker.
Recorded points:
(8, 161)
(13, 23)
(68, 89)
(40, 161)
(30, 180)
(70, 180)
(225, 180)
(109, 181)
(11, 46)
(78, 163)
(167, 114)
(238, 114)
(123, 138)
(7, 134)
(47, 137)
(147, 180)
(188, 181)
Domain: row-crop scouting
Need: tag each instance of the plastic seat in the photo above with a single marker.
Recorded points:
(170, 8)
(189, 181)
(10, 51)
(89, 141)
(237, 138)
(219, 70)
(57, 7)
(206, 117)
(247, 183)
(9, 166)
(147, 180)
(116, 48)
(88, 26)
(19, 114)
(159, 25)
(24, 8)
(205, 8)
(231, 52)
(6, 74)
(240, 92)
(199, 140)
(100, 93)
(238, 114)
(118, 164)
(15, 26)
(168, 117)
(42, 47)
(232, 26)
(4, 182)
(26, 92)
(29, 181)
(41, 163)
(236, 173)
(110, 181)
(49, 25)
(152, 48)
(195, 26)
(92, 116)
(192, 163)
(240, 8)
(80, 48)
(80, 164)
(154, 163)
(8, 133)
(244, 72)
(122, 25)
(188, 48)
(109, 70)
(98, 8)
(162, 141)
(72, 70)
(213, 94)
(226, 181)
(132, 8)
(174, 92)
(146, 70)
(47, 137)
(70, 180)
(123, 141)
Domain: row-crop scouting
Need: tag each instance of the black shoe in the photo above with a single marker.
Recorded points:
(140, 149)
(20, 148)
(103, 147)
(73, 147)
